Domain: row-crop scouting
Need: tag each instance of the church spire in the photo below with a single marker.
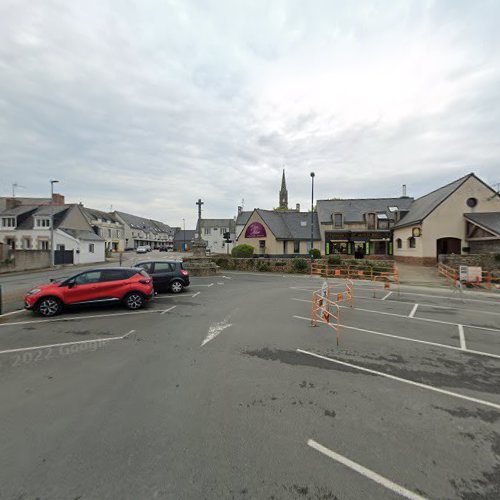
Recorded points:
(283, 193)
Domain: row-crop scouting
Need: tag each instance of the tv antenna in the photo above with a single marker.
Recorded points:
(497, 191)
(15, 185)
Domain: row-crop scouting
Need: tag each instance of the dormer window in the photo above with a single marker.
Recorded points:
(383, 221)
(338, 220)
(42, 223)
(8, 222)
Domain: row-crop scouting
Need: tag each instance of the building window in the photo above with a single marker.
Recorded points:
(8, 222)
(207, 231)
(42, 222)
(370, 221)
(91, 248)
(471, 202)
(296, 246)
(337, 220)
(411, 242)
(399, 243)
(223, 230)
(109, 233)
(26, 243)
(43, 244)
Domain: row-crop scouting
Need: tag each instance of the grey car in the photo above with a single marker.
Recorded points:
(168, 275)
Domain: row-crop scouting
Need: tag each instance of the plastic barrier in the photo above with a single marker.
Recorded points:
(325, 305)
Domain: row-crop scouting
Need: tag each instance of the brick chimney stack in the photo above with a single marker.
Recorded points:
(58, 199)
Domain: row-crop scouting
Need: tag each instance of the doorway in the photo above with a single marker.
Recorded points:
(448, 245)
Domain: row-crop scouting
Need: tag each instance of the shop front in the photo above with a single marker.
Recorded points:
(358, 243)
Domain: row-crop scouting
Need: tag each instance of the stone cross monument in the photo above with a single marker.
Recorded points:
(199, 246)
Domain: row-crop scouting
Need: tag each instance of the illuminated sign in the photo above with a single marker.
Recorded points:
(255, 230)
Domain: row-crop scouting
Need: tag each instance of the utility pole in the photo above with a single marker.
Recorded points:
(312, 213)
(184, 235)
(52, 252)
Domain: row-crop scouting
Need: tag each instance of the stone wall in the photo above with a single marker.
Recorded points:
(486, 261)
(258, 264)
(418, 261)
(23, 260)
(484, 247)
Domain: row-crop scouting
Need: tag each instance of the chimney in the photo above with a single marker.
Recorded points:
(297, 206)
(57, 199)
(240, 209)
(404, 191)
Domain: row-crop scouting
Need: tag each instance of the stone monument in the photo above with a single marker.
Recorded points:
(199, 264)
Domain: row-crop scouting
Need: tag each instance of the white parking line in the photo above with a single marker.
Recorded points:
(409, 339)
(78, 318)
(385, 296)
(461, 334)
(386, 483)
(167, 310)
(21, 349)
(196, 294)
(413, 311)
(406, 381)
(208, 286)
(175, 296)
(429, 320)
(11, 313)
(220, 283)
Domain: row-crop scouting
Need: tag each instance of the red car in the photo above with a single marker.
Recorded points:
(131, 286)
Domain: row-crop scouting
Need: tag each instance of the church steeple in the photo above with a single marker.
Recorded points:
(283, 193)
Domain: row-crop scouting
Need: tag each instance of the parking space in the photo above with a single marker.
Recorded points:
(407, 405)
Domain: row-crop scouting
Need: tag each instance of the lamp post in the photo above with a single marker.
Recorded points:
(184, 235)
(52, 253)
(312, 213)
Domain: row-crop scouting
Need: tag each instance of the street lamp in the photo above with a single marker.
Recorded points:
(184, 235)
(52, 253)
(312, 212)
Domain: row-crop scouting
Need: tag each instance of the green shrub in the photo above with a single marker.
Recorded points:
(497, 257)
(264, 267)
(279, 264)
(334, 260)
(242, 251)
(315, 253)
(300, 264)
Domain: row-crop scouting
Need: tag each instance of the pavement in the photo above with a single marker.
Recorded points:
(420, 275)
(226, 391)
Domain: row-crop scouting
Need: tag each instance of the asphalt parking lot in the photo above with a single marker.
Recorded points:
(226, 391)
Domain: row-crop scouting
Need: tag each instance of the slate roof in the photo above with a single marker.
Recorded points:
(20, 210)
(188, 236)
(425, 205)
(81, 234)
(289, 225)
(93, 214)
(229, 223)
(149, 225)
(59, 212)
(490, 221)
(242, 218)
(353, 209)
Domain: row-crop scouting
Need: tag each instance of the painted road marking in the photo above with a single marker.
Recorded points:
(461, 334)
(404, 380)
(409, 339)
(385, 296)
(220, 283)
(215, 329)
(208, 286)
(413, 311)
(386, 483)
(429, 320)
(175, 296)
(79, 318)
(11, 313)
(227, 277)
(167, 310)
(196, 294)
(106, 339)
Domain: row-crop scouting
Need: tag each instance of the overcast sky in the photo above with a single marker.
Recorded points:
(148, 105)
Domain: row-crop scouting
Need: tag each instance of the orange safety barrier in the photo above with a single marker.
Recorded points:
(488, 278)
(325, 305)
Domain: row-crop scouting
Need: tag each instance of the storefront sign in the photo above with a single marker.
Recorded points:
(255, 230)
